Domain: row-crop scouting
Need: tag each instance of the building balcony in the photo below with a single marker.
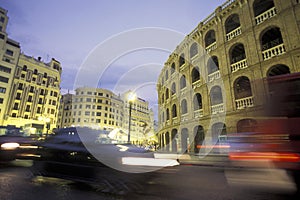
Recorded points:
(211, 47)
(183, 66)
(196, 84)
(265, 15)
(219, 108)
(198, 113)
(213, 76)
(274, 51)
(168, 123)
(184, 117)
(175, 120)
(183, 91)
(233, 33)
(239, 65)
(244, 102)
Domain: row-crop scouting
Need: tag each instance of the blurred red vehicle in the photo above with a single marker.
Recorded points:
(274, 142)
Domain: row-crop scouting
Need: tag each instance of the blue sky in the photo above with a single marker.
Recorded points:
(69, 30)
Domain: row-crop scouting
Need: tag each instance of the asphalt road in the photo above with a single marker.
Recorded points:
(181, 182)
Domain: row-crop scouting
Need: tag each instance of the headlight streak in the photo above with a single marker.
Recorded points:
(152, 162)
(10, 146)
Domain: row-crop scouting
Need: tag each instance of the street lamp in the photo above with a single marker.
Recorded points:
(131, 97)
(47, 126)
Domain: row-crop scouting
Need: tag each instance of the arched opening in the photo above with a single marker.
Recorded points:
(167, 74)
(174, 111)
(198, 138)
(167, 141)
(167, 114)
(173, 89)
(261, 6)
(173, 68)
(278, 70)
(181, 60)
(197, 101)
(167, 93)
(213, 64)
(237, 53)
(193, 49)
(210, 38)
(184, 140)
(232, 23)
(242, 88)
(219, 132)
(195, 74)
(182, 82)
(246, 125)
(271, 38)
(216, 95)
(174, 140)
(184, 108)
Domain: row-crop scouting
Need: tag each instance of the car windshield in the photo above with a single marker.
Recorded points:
(89, 135)
(12, 132)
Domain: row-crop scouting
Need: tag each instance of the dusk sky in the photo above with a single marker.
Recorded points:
(72, 30)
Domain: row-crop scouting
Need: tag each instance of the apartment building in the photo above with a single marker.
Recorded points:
(100, 108)
(9, 55)
(35, 95)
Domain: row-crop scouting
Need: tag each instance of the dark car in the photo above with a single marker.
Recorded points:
(85, 155)
(15, 144)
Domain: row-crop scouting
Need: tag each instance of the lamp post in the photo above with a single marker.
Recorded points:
(131, 97)
(47, 126)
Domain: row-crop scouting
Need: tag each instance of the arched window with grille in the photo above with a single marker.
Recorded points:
(242, 87)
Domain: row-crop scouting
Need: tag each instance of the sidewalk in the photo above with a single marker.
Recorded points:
(215, 159)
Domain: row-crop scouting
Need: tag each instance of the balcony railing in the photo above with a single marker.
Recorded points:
(219, 108)
(196, 84)
(175, 120)
(213, 76)
(244, 103)
(239, 65)
(198, 113)
(274, 51)
(233, 33)
(265, 15)
(211, 47)
(184, 117)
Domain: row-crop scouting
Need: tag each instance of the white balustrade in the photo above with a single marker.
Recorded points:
(244, 103)
(184, 118)
(213, 76)
(239, 65)
(211, 47)
(196, 84)
(219, 108)
(233, 33)
(274, 51)
(198, 113)
(168, 123)
(175, 120)
(265, 15)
